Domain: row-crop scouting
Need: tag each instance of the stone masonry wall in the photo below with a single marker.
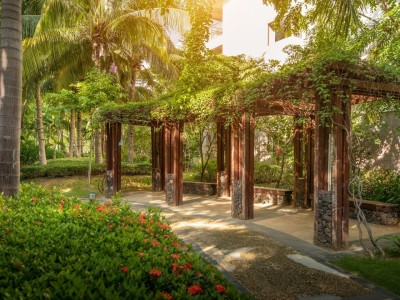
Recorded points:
(199, 188)
(377, 212)
(324, 223)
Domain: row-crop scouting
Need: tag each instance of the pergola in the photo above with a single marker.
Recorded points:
(321, 145)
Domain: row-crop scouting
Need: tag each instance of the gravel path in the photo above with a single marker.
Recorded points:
(258, 262)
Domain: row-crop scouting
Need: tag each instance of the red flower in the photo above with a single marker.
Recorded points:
(167, 236)
(155, 274)
(124, 269)
(155, 243)
(175, 256)
(166, 295)
(164, 226)
(110, 226)
(220, 289)
(100, 208)
(194, 290)
(187, 265)
(34, 199)
(140, 254)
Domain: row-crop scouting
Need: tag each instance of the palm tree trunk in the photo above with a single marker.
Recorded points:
(79, 132)
(39, 124)
(72, 136)
(10, 96)
(97, 147)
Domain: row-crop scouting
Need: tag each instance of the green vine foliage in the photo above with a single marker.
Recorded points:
(227, 87)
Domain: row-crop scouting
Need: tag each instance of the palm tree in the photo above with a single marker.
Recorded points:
(342, 17)
(72, 30)
(10, 95)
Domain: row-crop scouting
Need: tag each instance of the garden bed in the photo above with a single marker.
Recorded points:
(377, 212)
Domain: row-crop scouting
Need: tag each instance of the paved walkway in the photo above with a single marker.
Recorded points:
(292, 227)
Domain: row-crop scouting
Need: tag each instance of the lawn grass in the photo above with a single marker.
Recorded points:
(77, 185)
(384, 272)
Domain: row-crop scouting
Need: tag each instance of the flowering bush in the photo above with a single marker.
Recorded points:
(56, 247)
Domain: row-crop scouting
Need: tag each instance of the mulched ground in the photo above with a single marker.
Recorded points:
(260, 263)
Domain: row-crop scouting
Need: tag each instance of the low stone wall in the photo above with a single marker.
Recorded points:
(272, 196)
(377, 212)
(265, 195)
(199, 188)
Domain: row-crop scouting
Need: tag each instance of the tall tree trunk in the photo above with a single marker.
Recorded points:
(79, 132)
(130, 143)
(10, 96)
(72, 136)
(135, 67)
(39, 124)
(61, 133)
(97, 147)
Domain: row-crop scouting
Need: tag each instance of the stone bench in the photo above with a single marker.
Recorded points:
(199, 188)
(272, 196)
(377, 212)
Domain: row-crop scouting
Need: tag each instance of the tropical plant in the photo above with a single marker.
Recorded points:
(10, 96)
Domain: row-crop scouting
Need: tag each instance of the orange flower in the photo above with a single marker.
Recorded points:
(34, 199)
(220, 289)
(124, 269)
(155, 274)
(140, 254)
(155, 243)
(194, 290)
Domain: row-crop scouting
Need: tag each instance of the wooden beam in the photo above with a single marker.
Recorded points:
(299, 182)
(157, 157)
(116, 150)
(243, 168)
(340, 171)
(173, 157)
(109, 187)
(309, 163)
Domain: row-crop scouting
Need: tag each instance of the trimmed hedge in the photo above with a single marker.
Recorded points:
(78, 167)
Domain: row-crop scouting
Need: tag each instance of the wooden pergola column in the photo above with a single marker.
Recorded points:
(223, 160)
(299, 180)
(243, 168)
(113, 158)
(157, 157)
(309, 162)
(331, 198)
(173, 158)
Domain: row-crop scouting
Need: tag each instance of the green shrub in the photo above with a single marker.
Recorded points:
(210, 172)
(266, 173)
(78, 167)
(380, 184)
(54, 247)
(30, 152)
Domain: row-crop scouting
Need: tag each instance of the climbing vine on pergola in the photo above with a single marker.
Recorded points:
(318, 96)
